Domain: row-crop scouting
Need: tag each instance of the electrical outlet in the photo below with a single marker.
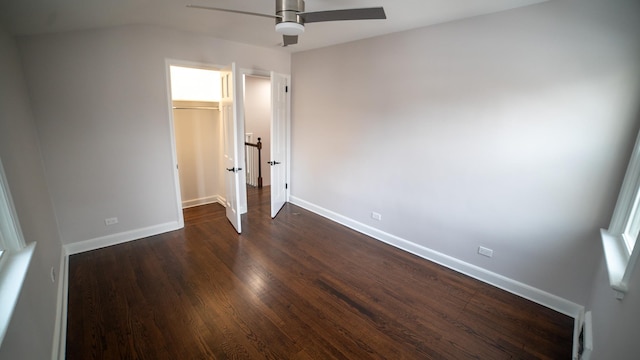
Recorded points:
(376, 216)
(485, 251)
(111, 221)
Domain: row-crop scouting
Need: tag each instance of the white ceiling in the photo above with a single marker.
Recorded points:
(22, 17)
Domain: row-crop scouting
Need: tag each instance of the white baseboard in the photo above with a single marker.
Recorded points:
(515, 287)
(585, 320)
(60, 332)
(114, 239)
(588, 336)
(201, 201)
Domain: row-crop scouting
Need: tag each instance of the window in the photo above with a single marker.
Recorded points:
(11, 239)
(633, 226)
(619, 239)
(2, 250)
(14, 255)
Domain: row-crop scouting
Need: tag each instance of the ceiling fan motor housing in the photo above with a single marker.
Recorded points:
(289, 10)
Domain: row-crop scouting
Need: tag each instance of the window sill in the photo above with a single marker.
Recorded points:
(617, 261)
(12, 277)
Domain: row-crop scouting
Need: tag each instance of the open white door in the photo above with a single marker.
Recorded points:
(279, 116)
(228, 112)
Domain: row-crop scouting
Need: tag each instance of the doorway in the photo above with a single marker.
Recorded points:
(257, 132)
(195, 97)
(275, 87)
(203, 164)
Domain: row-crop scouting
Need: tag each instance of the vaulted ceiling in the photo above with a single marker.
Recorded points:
(26, 17)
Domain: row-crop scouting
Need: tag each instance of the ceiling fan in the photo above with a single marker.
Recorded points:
(290, 17)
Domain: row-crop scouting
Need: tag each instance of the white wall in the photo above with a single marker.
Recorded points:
(198, 138)
(509, 131)
(30, 334)
(257, 115)
(101, 108)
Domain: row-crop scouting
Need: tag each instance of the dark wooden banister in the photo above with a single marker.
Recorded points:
(258, 145)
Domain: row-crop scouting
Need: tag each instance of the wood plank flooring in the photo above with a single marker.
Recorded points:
(296, 287)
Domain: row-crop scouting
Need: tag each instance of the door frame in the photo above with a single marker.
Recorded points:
(243, 73)
(174, 153)
(174, 150)
(267, 74)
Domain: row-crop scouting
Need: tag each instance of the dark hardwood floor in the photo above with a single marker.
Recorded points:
(296, 287)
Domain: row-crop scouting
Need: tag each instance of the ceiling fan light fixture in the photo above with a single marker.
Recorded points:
(289, 28)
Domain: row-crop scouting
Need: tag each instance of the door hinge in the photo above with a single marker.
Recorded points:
(286, 89)
(286, 186)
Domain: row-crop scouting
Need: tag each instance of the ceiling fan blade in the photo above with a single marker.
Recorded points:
(289, 40)
(234, 11)
(345, 14)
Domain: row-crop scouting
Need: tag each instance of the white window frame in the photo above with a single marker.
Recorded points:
(11, 238)
(15, 257)
(619, 242)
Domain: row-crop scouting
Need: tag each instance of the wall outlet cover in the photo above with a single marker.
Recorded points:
(485, 251)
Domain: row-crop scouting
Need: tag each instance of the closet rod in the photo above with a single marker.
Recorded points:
(195, 108)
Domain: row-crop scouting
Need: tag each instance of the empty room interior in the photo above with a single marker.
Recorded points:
(446, 162)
